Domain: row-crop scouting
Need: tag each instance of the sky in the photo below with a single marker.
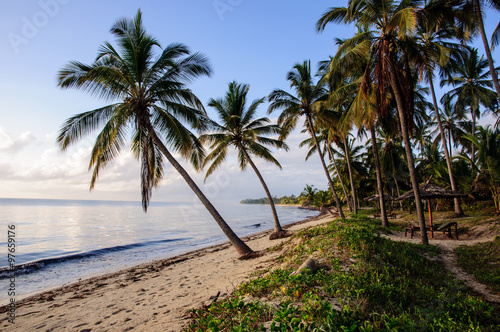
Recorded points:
(255, 42)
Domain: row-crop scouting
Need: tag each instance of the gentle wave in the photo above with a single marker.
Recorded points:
(34, 266)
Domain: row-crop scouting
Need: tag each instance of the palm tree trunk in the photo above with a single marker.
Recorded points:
(487, 50)
(330, 182)
(240, 246)
(473, 133)
(332, 157)
(397, 190)
(383, 214)
(406, 140)
(278, 230)
(449, 142)
(458, 208)
(351, 179)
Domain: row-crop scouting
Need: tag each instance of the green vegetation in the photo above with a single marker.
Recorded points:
(483, 261)
(309, 197)
(365, 283)
(285, 200)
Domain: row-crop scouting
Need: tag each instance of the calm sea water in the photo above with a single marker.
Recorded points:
(60, 241)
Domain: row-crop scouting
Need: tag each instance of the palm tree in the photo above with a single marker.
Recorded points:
(343, 73)
(472, 19)
(307, 102)
(326, 138)
(240, 129)
(471, 86)
(432, 47)
(488, 144)
(453, 126)
(307, 195)
(392, 21)
(152, 100)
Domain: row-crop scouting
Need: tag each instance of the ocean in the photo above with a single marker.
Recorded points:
(60, 241)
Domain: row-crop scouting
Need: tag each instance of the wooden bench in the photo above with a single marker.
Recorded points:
(446, 228)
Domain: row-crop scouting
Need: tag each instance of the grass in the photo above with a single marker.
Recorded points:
(366, 283)
(483, 261)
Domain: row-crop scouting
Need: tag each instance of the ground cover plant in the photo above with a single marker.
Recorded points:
(483, 261)
(365, 283)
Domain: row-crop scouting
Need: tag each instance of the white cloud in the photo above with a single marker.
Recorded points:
(14, 145)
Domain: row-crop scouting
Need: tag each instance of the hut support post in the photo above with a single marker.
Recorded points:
(430, 218)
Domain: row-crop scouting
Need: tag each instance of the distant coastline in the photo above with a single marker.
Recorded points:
(283, 201)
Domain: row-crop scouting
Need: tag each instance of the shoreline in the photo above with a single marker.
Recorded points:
(160, 262)
(209, 260)
(75, 260)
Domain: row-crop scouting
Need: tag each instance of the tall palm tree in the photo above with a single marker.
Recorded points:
(152, 101)
(431, 48)
(391, 21)
(239, 128)
(469, 77)
(307, 102)
(472, 19)
(343, 73)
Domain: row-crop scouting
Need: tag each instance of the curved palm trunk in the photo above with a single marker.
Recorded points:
(380, 189)
(487, 50)
(240, 246)
(330, 182)
(278, 230)
(332, 157)
(351, 179)
(458, 208)
(409, 155)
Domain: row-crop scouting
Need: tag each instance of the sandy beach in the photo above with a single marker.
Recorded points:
(148, 297)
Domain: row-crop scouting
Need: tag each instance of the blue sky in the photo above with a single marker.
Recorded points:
(255, 42)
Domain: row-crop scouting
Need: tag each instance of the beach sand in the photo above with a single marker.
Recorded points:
(150, 297)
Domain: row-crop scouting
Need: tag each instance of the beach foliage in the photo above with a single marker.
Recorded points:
(366, 282)
(483, 261)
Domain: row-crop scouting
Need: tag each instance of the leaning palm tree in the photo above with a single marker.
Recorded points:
(151, 100)
(307, 102)
(388, 65)
(240, 129)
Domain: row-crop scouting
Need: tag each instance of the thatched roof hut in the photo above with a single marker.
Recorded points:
(430, 190)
